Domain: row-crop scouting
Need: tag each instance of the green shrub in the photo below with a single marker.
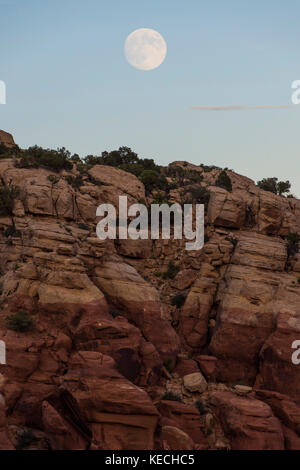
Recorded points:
(209, 168)
(178, 300)
(74, 181)
(83, 226)
(194, 176)
(35, 157)
(184, 175)
(172, 271)
(7, 197)
(232, 240)
(75, 158)
(169, 365)
(53, 179)
(153, 180)
(223, 181)
(142, 201)
(160, 199)
(20, 321)
(171, 396)
(134, 168)
(11, 231)
(283, 187)
(123, 158)
(177, 172)
(127, 160)
(200, 407)
(115, 313)
(274, 186)
(3, 151)
(26, 439)
(268, 184)
(172, 185)
(293, 240)
(9, 152)
(199, 195)
(83, 168)
(95, 181)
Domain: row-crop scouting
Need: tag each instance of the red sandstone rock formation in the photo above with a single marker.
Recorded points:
(109, 350)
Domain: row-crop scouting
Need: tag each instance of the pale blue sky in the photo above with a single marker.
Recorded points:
(68, 83)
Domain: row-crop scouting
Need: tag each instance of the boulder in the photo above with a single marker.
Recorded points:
(195, 382)
(176, 439)
(119, 179)
(185, 417)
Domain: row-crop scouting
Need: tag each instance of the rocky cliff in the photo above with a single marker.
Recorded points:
(141, 344)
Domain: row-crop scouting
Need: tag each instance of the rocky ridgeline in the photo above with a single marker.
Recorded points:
(123, 353)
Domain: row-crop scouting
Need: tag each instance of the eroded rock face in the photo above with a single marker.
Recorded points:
(126, 289)
(114, 330)
(185, 417)
(137, 359)
(256, 296)
(120, 415)
(6, 139)
(226, 209)
(276, 370)
(288, 412)
(250, 423)
(62, 435)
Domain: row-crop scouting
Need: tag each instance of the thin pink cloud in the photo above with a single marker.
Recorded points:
(240, 107)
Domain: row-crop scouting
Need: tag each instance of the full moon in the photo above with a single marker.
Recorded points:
(145, 49)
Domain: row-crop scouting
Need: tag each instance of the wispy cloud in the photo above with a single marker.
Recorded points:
(240, 107)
